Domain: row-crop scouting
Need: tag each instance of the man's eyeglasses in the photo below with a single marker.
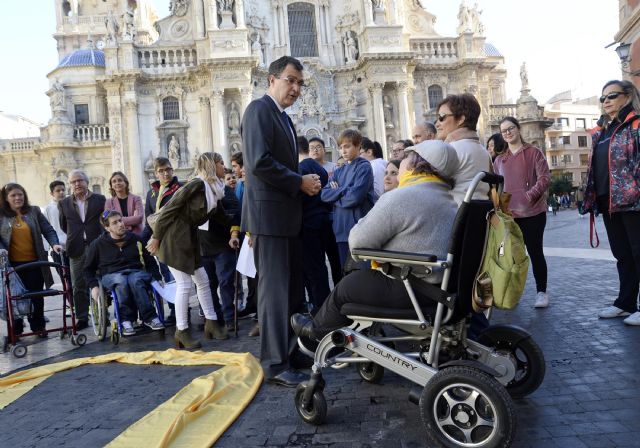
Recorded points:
(164, 171)
(509, 130)
(315, 148)
(290, 80)
(611, 96)
(442, 117)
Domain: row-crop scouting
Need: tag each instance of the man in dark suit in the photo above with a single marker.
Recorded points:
(272, 213)
(80, 220)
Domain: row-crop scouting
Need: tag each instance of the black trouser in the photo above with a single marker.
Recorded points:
(314, 267)
(331, 249)
(33, 280)
(533, 233)
(367, 287)
(623, 231)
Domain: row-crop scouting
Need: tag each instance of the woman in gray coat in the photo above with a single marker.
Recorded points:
(22, 227)
(175, 243)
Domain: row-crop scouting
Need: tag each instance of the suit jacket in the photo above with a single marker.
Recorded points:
(135, 220)
(75, 228)
(272, 200)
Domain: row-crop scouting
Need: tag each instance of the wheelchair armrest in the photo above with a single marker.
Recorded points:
(392, 256)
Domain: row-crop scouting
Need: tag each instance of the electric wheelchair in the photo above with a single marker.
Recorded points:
(464, 387)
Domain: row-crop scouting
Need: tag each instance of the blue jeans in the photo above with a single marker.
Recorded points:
(130, 283)
(221, 269)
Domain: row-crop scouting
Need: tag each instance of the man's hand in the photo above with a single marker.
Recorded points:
(310, 184)
(152, 246)
(95, 292)
(249, 242)
(234, 242)
(333, 184)
(57, 248)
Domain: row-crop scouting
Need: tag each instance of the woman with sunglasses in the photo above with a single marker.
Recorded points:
(125, 203)
(526, 177)
(613, 189)
(456, 124)
(175, 242)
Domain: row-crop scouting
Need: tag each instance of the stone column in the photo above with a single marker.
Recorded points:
(404, 113)
(240, 14)
(246, 95)
(115, 126)
(133, 143)
(327, 22)
(378, 113)
(199, 18)
(213, 15)
(219, 127)
(368, 12)
(276, 22)
(207, 131)
(282, 26)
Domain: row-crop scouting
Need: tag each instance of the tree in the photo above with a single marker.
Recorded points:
(560, 185)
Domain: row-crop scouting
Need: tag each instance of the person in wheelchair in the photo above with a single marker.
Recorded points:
(416, 217)
(121, 259)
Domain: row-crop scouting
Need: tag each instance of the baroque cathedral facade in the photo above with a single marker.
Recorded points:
(130, 86)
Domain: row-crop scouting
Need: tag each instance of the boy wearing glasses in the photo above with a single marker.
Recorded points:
(121, 259)
(162, 190)
(350, 190)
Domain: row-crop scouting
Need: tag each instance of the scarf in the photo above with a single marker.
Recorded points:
(212, 193)
(408, 179)
(462, 134)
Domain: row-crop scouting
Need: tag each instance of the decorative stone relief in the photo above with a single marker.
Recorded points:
(233, 119)
(179, 7)
(129, 28)
(180, 28)
(111, 23)
(350, 43)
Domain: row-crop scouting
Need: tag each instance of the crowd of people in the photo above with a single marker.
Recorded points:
(297, 210)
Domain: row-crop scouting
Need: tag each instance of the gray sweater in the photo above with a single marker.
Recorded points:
(417, 218)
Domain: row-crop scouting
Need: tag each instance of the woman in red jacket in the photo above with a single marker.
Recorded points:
(126, 203)
(527, 178)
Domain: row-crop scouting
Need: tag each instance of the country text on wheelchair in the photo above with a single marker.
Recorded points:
(465, 384)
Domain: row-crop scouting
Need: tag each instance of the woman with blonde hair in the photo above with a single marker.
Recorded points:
(175, 243)
(126, 203)
(613, 189)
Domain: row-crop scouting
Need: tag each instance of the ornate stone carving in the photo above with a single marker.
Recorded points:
(233, 119)
(524, 77)
(57, 96)
(129, 28)
(179, 7)
(225, 5)
(469, 20)
(256, 49)
(111, 23)
(387, 107)
(229, 44)
(385, 40)
(179, 28)
(350, 47)
(174, 151)
(230, 76)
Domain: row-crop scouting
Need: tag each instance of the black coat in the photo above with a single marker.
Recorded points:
(227, 214)
(75, 228)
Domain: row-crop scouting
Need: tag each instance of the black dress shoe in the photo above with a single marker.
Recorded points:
(302, 325)
(246, 313)
(288, 378)
(81, 324)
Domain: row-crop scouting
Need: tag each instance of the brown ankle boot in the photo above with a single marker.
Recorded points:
(214, 330)
(184, 340)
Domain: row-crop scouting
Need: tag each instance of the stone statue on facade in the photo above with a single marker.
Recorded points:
(233, 120)
(464, 19)
(350, 47)
(352, 101)
(111, 23)
(129, 30)
(388, 110)
(378, 4)
(524, 77)
(174, 152)
(256, 49)
(179, 7)
(57, 96)
(476, 25)
(225, 5)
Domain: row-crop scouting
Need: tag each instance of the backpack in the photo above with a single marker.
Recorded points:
(503, 272)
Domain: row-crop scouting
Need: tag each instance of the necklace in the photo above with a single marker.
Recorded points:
(18, 222)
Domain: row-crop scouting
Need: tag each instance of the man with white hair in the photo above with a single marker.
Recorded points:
(80, 220)
(423, 131)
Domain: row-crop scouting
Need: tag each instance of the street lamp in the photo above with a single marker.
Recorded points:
(623, 50)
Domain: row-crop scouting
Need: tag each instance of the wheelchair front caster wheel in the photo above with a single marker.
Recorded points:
(316, 412)
(19, 350)
(115, 337)
(81, 339)
(72, 339)
(370, 372)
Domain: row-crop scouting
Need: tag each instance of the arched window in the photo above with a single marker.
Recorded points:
(170, 108)
(435, 95)
(302, 30)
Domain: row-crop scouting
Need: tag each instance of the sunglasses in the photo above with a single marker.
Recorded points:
(442, 117)
(611, 96)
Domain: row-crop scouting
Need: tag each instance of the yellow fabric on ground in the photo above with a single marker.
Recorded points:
(196, 416)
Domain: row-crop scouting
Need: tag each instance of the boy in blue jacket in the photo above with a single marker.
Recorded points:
(350, 190)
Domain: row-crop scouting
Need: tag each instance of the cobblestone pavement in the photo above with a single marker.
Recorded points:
(590, 396)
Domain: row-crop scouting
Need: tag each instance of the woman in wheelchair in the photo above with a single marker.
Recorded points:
(120, 258)
(416, 217)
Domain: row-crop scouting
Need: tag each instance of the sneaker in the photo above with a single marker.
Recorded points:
(634, 319)
(612, 311)
(154, 324)
(542, 300)
(127, 328)
(246, 313)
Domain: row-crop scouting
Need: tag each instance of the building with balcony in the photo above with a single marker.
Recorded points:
(127, 83)
(568, 140)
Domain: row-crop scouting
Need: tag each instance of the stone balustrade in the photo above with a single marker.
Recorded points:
(91, 132)
(167, 59)
(19, 144)
(435, 51)
(498, 111)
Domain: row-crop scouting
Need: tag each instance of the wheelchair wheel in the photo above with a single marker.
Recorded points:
(465, 407)
(115, 334)
(316, 413)
(98, 312)
(526, 355)
(370, 372)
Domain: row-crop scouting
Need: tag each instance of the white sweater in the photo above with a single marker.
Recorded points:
(473, 159)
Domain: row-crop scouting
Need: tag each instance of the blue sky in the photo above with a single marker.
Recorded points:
(562, 42)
